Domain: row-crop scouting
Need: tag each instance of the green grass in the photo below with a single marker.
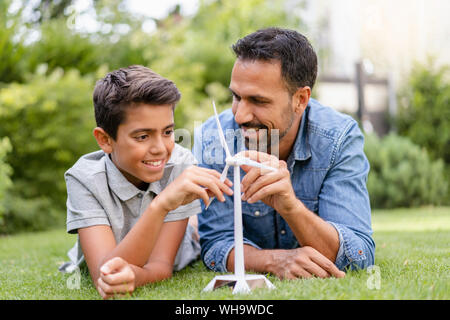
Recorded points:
(413, 256)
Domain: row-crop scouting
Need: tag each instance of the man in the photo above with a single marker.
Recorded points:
(312, 216)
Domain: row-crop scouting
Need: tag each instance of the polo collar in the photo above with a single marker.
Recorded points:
(302, 149)
(124, 189)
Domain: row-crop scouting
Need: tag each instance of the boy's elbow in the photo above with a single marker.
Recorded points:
(158, 272)
(167, 273)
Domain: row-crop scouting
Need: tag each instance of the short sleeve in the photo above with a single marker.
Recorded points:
(183, 212)
(83, 209)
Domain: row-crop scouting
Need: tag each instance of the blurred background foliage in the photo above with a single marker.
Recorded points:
(424, 111)
(5, 174)
(402, 174)
(48, 69)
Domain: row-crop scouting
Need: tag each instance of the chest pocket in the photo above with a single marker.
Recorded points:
(258, 222)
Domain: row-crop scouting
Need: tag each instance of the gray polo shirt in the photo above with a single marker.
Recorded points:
(98, 194)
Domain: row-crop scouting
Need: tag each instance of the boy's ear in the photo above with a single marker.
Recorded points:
(104, 141)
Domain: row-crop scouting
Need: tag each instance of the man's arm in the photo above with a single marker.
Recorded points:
(344, 201)
(275, 189)
(216, 230)
(342, 231)
(303, 262)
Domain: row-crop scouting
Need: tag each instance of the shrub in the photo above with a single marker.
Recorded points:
(402, 174)
(424, 110)
(11, 47)
(49, 121)
(5, 173)
(60, 47)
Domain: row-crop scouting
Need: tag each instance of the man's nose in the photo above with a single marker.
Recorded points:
(242, 112)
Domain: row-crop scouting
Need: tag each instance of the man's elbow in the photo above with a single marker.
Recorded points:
(364, 257)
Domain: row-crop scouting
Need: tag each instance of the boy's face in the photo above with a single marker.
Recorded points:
(144, 143)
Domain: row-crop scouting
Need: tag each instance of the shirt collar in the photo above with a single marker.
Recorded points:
(124, 189)
(302, 149)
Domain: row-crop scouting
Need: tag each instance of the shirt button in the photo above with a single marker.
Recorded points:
(139, 195)
(257, 213)
(283, 231)
(212, 264)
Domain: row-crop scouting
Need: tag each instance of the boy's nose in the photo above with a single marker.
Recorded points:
(157, 147)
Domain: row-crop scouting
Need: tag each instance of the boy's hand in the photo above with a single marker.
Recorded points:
(116, 277)
(194, 183)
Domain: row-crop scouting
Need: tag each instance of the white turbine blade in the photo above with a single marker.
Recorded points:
(223, 142)
(250, 162)
(224, 173)
(222, 179)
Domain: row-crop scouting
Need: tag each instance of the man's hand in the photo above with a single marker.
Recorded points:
(116, 277)
(192, 184)
(272, 188)
(304, 262)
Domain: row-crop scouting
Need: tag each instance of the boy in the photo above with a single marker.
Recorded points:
(130, 201)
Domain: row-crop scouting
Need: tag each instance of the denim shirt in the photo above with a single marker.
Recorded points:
(328, 172)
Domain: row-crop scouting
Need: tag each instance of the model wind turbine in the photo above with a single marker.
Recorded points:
(242, 283)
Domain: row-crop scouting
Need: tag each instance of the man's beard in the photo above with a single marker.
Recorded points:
(267, 140)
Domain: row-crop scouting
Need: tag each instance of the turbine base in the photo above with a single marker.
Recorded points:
(239, 284)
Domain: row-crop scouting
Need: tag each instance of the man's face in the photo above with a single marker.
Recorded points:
(261, 100)
(144, 143)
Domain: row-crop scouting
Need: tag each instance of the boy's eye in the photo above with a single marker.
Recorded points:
(141, 137)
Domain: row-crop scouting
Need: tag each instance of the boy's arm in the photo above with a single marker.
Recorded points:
(160, 264)
(99, 245)
(137, 245)
(98, 242)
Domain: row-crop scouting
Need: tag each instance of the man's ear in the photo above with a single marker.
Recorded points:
(104, 141)
(300, 99)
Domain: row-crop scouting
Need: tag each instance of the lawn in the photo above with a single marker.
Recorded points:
(412, 259)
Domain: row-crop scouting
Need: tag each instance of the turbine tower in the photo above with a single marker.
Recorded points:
(241, 282)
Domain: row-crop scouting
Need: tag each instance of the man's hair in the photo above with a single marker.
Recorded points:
(296, 55)
(128, 87)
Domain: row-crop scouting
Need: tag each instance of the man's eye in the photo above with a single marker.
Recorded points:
(256, 101)
(168, 132)
(236, 97)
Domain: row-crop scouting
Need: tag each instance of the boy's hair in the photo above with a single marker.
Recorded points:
(128, 87)
(296, 55)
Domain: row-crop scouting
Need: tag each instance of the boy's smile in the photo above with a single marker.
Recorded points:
(144, 143)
